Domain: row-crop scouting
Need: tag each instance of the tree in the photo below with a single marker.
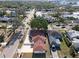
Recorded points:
(1, 38)
(2, 13)
(76, 28)
(61, 20)
(72, 51)
(71, 18)
(55, 15)
(39, 23)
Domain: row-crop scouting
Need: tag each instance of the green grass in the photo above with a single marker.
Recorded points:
(20, 45)
(48, 49)
(64, 50)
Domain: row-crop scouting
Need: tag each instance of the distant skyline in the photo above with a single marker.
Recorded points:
(23, 0)
(44, 0)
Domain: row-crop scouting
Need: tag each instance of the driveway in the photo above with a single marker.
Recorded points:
(54, 54)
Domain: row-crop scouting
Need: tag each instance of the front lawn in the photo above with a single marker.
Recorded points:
(65, 50)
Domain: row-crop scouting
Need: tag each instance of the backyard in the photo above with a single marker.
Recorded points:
(65, 50)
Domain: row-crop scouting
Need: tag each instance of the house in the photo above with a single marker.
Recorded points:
(8, 11)
(5, 22)
(74, 14)
(49, 18)
(74, 39)
(39, 47)
(39, 37)
(6, 19)
(39, 13)
(65, 13)
(54, 38)
(76, 5)
(11, 13)
(72, 34)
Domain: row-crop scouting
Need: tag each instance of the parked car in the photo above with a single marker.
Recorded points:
(58, 25)
(63, 26)
(53, 48)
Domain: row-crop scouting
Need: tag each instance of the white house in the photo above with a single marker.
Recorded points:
(39, 13)
(8, 11)
(73, 34)
(75, 43)
(75, 15)
(74, 38)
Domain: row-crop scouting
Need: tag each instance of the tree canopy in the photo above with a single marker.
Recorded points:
(39, 23)
(71, 18)
(76, 28)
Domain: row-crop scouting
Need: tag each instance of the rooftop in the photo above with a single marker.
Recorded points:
(4, 18)
(39, 46)
(54, 37)
(39, 37)
(73, 33)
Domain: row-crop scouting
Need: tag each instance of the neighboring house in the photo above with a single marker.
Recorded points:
(11, 13)
(76, 5)
(72, 34)
(8, 11)
(6, 19)
(49, 18)
(74, 14)
(39, 13)
(65, 13)
(54, 38)
(76, 21)
(45, 15)
(6, 25)
(74, 39)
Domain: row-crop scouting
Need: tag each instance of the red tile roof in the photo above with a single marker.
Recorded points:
(39, 46)
(39, 37)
